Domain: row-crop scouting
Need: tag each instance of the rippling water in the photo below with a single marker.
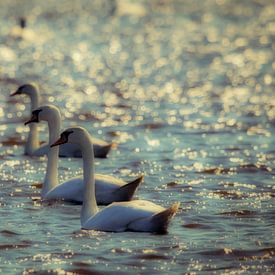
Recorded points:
(186, 90)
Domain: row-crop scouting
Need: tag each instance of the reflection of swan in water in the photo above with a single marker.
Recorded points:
(32, 147)
(137, 215)
(108, 188)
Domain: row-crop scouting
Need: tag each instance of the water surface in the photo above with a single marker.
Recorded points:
(186, 90)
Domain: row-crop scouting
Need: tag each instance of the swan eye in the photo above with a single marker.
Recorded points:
(36, 112)
(65, 135)
(21, 89)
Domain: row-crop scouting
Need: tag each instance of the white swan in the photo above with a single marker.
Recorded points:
(108, 188)
(32, 148)
(137, 215)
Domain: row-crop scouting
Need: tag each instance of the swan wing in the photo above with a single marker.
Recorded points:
(110, 189)
(71, 190)
(118, 216)
(109, 180)
(107, 188)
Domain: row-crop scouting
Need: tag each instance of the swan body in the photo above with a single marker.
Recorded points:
(108, 188)
(32, 148)
(137, 215)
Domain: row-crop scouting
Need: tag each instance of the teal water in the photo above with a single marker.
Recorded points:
(186, 90)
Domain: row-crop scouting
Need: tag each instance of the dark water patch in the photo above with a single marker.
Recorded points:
(240, 213)
(208, 269)
(18, 194)
(243, 168)
(13, 141)
(8, 80)
(270, 250)
(135, 163)
(231, 194)
(89, 271)
(78, 271)
(134, 264)
(252, 168)
(123, 106)
(168, 248)
(29, 209)
(152, 256)
(241, 254)
(172, 184)
(215, 171)
(113, 133)
(4, 156)
(152, 126)
(23, 244)
(233, 149)
(87, 116)
(101, 258)
(196, 226)
(81, 264)
(120, 250)
(207, 132)
(8, 233)
(37, 185)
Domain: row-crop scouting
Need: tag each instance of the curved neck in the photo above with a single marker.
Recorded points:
(34, 100)
(51, 177)
(32, 143)
(89, 207)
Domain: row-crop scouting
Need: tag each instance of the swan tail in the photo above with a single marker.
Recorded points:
(161, 220)
(127, 191)
(103, 151)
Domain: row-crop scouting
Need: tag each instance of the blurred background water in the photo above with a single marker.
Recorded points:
(185, 89)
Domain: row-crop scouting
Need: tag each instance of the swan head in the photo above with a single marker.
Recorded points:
(45, 113)
(27, 89)
(75, 135)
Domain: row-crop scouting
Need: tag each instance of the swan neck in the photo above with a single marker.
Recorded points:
(89, 207)
(51, 177)
(32, 143)
(54, 124)
(34, 100)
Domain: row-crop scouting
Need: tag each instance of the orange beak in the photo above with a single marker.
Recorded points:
(32, 119)
(15, 93)
(60, 141)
